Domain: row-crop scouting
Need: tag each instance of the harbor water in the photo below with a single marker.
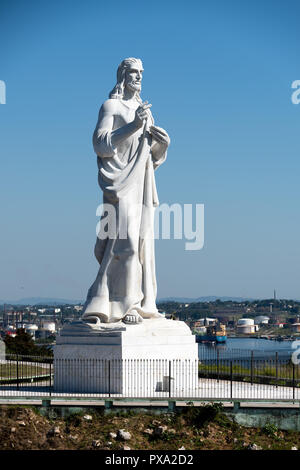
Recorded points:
(243, 348)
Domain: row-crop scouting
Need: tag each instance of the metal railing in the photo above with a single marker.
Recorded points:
(211, 353)
(211, 379)
(19, 371)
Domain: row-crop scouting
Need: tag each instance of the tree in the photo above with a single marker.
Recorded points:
(23, 344)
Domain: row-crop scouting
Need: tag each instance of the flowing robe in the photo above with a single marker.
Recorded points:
(126, 279)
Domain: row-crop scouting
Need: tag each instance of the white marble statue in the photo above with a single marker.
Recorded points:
(129, 148)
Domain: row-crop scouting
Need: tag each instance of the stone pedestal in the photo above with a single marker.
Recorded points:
(146, 359)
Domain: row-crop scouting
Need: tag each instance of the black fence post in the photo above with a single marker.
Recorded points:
(170, 371)
(252, 367)
(218, 365)
(50, 371)
(231, 378)
(109, 378)
(17, 371)
(276, 365)
(293, 382)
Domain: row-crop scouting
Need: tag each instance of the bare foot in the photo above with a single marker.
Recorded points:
(132, 318)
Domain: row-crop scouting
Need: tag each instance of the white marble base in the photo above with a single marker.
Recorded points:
(130, 360)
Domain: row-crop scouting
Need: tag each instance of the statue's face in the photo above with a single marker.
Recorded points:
(133, 78)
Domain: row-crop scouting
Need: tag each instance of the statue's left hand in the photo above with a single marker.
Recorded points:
(160, 135)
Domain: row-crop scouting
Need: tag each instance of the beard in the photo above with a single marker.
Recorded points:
(134, 86)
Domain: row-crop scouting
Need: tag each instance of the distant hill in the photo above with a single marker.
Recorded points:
(54, 301)
(188, 300)
(40, 301)
(211, 298)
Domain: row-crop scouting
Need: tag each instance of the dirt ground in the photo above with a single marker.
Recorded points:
(25, 428)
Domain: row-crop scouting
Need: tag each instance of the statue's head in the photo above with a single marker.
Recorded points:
(129, 75)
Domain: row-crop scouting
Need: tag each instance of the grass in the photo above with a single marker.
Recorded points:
(10, 370)
(261, 372)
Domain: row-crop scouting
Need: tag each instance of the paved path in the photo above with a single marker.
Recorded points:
(207, 389)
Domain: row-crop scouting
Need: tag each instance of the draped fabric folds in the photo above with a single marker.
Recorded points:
(126, 279)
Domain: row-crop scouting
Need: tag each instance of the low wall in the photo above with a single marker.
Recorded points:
(283, 417)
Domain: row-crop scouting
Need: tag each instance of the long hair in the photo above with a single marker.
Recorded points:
(118, 91)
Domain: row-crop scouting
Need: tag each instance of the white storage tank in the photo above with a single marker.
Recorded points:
(31, 329)
(200, 330)
(49, 326)
(245, 321)
(245, 326)
(261, 320)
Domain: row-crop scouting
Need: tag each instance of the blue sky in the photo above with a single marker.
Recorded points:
(218, 75)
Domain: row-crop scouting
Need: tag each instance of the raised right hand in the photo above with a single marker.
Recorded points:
(141, 114)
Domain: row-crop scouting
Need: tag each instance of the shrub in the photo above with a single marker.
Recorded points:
(270, 430)
(200, 416)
